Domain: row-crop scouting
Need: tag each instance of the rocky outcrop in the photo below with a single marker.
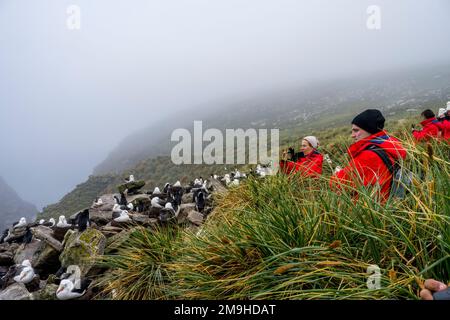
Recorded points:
(54, 250)
(16, 291)
(81, 248)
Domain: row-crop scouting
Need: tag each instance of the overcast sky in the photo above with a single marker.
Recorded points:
(67, 97)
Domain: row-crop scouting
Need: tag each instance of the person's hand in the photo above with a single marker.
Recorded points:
(431, 286)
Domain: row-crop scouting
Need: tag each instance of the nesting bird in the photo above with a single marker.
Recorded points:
(123, 217)
(26, 274)
(62, 222)
(22, 223)
(68, 289)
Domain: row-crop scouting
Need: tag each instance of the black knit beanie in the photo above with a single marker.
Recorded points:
(370, 120)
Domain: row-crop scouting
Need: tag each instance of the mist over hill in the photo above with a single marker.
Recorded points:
(13, 207)
(308, 107)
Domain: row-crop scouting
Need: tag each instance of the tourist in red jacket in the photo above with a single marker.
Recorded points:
(366, 167)
(309, 164)
(430, 126)
(444, 122)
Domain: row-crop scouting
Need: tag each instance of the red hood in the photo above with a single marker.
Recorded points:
(390, 145)
(427, 122)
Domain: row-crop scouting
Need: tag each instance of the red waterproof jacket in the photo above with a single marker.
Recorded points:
(430, 129)
(309, 166)
(367, 167)
(445, 129)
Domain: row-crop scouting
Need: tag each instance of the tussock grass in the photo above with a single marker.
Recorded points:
(288, 238)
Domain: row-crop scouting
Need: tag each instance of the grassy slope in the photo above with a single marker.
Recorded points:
(292, 239)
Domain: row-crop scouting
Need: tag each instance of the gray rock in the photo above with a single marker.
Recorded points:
(216, 186)
(41, 255)
(187, 197)
(16, 291)
(185, 208)
(144, 220)
(28, 251)
(108, 203)
(100, 217)
(195, 217)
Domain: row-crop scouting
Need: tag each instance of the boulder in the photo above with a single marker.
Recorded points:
(81, 249)
(42, 256)
(144, 220)
(187, 197)
(16, 291)
(132, 187)
(46, 234)
(108, 203)
(28, 251)
(215, 185)
(185, 208)
(195, 217)
(100, 217)
(59, 233)
(46, 293)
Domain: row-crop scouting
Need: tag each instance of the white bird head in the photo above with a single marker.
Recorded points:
(177, 184)
(52, 221)
(168, 205)
(41, 221)
(22, 220)
(26, 263)
(65, 286)
(62, 219)
(156, 191)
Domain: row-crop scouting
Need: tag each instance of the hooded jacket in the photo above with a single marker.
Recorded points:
(309, 165)
(367, 167)
(430, 129)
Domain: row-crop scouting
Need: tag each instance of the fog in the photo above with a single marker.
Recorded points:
(67, 97)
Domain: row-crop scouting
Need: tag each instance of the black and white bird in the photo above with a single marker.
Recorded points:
(21, 223)
(123, 217)
(51, 222)
(156, 202)
(62, 222)
(82, 220)
(130, 179)
(71, 289)
(167, 213)
(200, 200)
(167, 188)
